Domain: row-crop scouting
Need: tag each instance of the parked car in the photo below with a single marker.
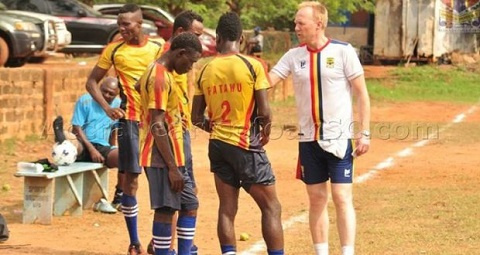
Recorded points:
(164, 22)
(161, 18)
(56, 36)
(19, 39)
(91, 31)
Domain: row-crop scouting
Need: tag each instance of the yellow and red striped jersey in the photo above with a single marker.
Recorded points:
(130, 62)
(228, 84)
(157, 91)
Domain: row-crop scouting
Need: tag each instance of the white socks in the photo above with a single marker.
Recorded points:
(348, 250)
(321, 248)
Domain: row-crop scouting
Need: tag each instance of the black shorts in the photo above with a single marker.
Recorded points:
(238, 167)
(104, 150)
(162, 196)
(128, 154)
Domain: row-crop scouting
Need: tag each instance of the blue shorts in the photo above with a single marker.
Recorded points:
(318, 166)
(187, 150)
(238, 167)
(162, 196)
(128, 154)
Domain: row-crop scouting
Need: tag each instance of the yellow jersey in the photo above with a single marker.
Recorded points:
(130, 62)
(228, 84)
(157, 91)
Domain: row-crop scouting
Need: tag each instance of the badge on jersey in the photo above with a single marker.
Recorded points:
(330, 62)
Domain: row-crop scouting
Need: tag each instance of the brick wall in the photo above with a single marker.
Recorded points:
(30, 98)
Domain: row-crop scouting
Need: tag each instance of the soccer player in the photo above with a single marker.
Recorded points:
(326, 73)
(186, 21)
(130, 58)
(234, 89)
(161, 145)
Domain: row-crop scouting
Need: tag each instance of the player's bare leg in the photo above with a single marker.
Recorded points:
(266, 199)
(228, 196)
(318, 214)
(346, 220)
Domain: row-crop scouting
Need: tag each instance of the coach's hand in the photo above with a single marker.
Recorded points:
(176, 179)
(362, 145)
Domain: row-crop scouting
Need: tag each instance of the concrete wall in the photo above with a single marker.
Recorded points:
(30, 98)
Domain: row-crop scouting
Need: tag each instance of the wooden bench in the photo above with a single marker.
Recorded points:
(67, 191)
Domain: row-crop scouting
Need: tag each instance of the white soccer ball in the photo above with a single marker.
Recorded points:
(64, 154)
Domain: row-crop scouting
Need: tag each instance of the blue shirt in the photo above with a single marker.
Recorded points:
(93, 120)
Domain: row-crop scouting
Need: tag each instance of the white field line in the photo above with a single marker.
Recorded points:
(259, 246)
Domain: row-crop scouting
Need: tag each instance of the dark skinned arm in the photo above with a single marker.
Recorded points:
(94, 153)
(93, 88)
(198, 114)
(264, 115)
(160, 135)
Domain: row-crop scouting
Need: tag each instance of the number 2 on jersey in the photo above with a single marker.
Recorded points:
(225, 111)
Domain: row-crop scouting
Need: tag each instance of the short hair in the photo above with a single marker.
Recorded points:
(185, 20)
(229, 27)
(129, 8)
(320, 12)
(187, 40)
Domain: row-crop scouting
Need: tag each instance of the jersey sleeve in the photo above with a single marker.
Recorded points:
(262, 81)
(80, 112)
(352, 66)
(198, 83)
(283, 67)
(105, 60)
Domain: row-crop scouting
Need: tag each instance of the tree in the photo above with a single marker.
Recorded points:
(278, 14)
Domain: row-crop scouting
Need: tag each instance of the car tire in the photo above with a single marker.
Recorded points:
(37, 60)
(3, 52)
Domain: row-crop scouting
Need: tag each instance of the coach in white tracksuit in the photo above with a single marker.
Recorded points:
(326, 73)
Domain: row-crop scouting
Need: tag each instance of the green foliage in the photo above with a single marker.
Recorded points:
(278, 14)
(427, 83)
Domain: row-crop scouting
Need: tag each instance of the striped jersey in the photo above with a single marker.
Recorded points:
(130, 62)
(182, 85)
(228, 84)
(322, 89)
(157, 91)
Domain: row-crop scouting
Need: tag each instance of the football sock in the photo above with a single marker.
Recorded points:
(228, 249)
(130, 211)
(185, 232)
(275, 252)
(58, 129)
(347, 250)
(162, 237)
(321, 248)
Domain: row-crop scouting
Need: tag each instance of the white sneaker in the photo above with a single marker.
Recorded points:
(104, 206)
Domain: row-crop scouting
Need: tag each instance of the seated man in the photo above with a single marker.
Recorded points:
(255, 44)
(95, 134)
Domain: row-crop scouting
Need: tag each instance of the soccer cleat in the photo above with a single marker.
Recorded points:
(104, 207)
(135, 249)
(150, 249)
(58, 130)
(194, 250)
(117, 200)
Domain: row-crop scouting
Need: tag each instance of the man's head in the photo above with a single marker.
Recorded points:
(257, 30)
(229, 29)
(310, 21)
(188, 21)
(185, 50)
(129, 22)
(109, 89)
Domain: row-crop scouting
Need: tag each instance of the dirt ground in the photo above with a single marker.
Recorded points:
(96, 233)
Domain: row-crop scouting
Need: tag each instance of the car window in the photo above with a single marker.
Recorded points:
(70, 8)
(32, 6)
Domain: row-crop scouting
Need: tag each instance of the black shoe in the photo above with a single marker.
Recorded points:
(58, 130)
(135, 249)
(117, 199)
